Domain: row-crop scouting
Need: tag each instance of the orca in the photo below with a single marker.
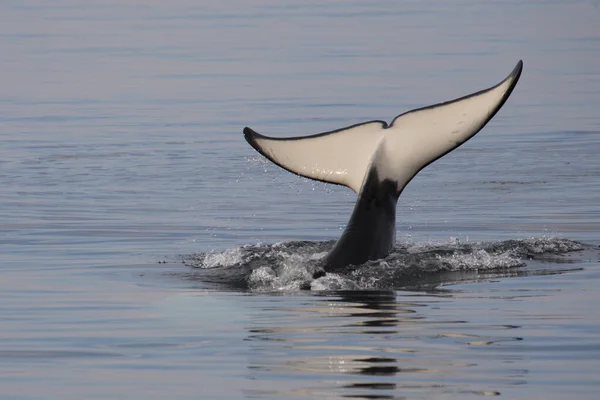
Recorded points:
(378, 160)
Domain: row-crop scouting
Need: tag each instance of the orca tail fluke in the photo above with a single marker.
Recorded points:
(378, 160)
(412, 141)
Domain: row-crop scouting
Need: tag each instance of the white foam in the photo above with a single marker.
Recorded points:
(291, 266)
(225, 258)
(292, 274)
(480, 259)
(333, 282)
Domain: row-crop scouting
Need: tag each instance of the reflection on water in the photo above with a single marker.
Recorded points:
(510, 337)
(319, 348)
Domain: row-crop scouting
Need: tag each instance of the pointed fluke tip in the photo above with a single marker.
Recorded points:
(250, 136)
(516, 72)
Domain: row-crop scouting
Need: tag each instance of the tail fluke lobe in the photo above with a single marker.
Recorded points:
(417, 138)
(399, 151)
(340, 157)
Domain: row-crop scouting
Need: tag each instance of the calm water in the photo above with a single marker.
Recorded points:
(121, 147)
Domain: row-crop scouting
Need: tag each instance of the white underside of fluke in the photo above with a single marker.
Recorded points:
(399, 151)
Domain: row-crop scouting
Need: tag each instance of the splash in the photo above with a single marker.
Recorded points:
(293, 266)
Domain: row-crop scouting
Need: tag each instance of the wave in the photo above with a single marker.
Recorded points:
(292, 266)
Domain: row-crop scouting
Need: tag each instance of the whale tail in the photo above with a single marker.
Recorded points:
(381, 159)
(412, 141)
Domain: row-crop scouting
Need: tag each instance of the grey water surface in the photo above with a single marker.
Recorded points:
(125, 179)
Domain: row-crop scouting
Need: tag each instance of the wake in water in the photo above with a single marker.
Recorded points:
(293, 266)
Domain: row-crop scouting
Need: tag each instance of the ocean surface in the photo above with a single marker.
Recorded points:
(147, 251)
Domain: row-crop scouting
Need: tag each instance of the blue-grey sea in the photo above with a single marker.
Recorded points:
(129, 198)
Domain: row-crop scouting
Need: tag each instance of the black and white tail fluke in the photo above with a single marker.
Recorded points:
(395, 153)
(412, 141)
